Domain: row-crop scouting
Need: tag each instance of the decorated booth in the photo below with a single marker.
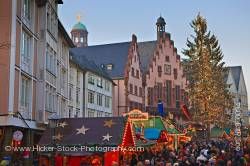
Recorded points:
(87, 141)
(156, 131)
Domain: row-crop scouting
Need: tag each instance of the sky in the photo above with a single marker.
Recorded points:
(113, 21)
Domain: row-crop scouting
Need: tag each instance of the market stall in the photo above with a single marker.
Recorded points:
(94, 141)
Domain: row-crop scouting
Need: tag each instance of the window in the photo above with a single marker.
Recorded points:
(48, 20)
(91, 97)
(109, 67)
(25, 93)
(133, 72)
(99, 114)
(70, 112)
(135, 90)
(107, 102)
(177, 92)
(78, 77)
(91, 113)
(166, 58)
(168, 92)
(167, 69)
(76, 39)
(159, 91)
(140, 92)
(150, 96)
(131, 88)
(175, 73)
(52, 20)
(159, 71)
(50, 104)
(137, 73)
(63, 80)
(107, 114)
(99, 99)
(27, 9)
(26, 52)
(77, 95)
(81, 40)
(91, 79)
(77, 113)
(51, 61)
(70, 92)
(107, 85)
(99, 82)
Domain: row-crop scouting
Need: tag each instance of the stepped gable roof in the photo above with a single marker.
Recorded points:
(109, 54)
(94, 129)
(146, 51)
(86, 64)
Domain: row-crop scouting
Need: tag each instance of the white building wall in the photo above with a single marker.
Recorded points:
(94, 107)
(75, 84)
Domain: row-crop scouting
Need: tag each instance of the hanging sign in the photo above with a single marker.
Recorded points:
(137, 115)
(17, 135)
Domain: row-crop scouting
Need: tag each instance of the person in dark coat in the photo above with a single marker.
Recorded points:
(133, 161)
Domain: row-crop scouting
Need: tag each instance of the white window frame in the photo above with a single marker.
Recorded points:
(91, 97)
(26, 59)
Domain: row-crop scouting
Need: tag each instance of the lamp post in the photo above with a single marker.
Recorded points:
(53, 119)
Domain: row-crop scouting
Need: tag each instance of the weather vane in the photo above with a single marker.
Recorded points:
(78, 17)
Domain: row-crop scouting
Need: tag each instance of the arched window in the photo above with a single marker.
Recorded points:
(81, 40)
(76, 39)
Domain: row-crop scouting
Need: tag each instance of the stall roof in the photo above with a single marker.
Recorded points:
(102, 131)
(153, 126)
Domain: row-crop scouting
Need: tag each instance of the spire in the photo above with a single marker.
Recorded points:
(160, 27)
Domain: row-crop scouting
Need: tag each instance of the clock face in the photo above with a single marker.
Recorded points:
(17, 135)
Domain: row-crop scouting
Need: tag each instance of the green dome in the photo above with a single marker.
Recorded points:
(79, 26)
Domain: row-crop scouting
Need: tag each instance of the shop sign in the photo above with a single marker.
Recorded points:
(137, 115)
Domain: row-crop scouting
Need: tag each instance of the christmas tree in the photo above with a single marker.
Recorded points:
(204, 67)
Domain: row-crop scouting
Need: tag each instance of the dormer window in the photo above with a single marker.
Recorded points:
(102, 66)
(109, 67)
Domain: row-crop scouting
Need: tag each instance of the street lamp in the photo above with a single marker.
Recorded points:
(53, 119)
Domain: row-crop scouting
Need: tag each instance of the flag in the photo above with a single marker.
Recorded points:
(160, 108)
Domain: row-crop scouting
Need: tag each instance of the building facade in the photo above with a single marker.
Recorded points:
(121, 62)
(237, 87)
(34, 62)
(90, 90)
(163, 78)
(144, 72)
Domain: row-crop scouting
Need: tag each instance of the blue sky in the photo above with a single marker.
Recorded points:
(116, 20)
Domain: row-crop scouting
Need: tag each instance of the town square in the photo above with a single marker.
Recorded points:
(124, 83)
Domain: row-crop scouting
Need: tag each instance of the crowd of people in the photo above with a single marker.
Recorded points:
(207, 153)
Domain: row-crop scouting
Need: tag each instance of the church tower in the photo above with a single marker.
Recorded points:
(79, 34)
(160, 24)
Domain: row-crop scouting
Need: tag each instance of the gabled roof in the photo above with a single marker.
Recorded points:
(93, 136)
(86, 64)
(115, 54)
(146, 51)
(218, 132)
(236, 72)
